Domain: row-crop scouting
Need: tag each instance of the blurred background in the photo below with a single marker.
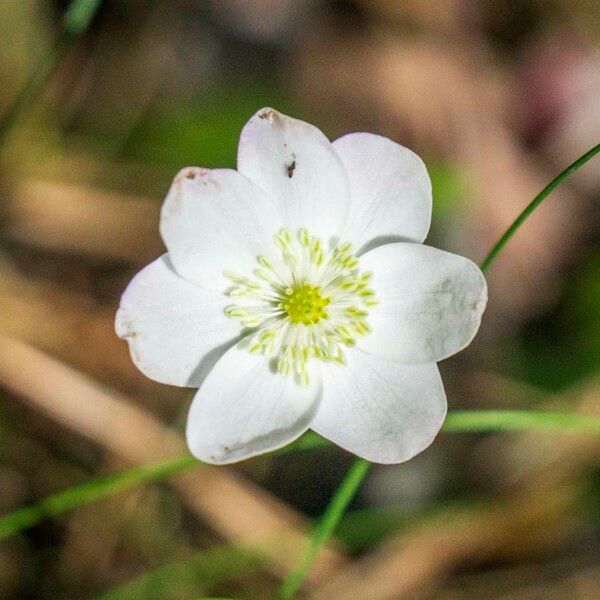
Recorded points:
(497, 96)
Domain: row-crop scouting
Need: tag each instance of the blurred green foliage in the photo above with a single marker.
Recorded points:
(450, 193)
(204, 134)
(181, 579)
(563, 346)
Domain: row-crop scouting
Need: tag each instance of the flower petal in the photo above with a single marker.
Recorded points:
(176, 330)
(379, 409)
(244, 408)
(216, 220)
(390, 191)
(430, 302)
(297, 164)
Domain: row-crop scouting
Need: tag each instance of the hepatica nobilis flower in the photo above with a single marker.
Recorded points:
(296, 293)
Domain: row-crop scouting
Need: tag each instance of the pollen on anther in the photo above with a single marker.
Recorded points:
(305, 304)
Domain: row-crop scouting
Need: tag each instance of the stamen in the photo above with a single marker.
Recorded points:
(304, 304)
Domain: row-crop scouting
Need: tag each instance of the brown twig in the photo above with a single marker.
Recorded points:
(240, 512)
(79, 331)
(75, 219)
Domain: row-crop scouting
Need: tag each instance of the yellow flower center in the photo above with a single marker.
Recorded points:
(304, 304)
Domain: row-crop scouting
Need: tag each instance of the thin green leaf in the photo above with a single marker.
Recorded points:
(90, 491)
(479, 421)
(99, 488)
(334, 512)
(535, 203)
(456, 422)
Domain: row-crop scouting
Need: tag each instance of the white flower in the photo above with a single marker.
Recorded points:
(296, 293)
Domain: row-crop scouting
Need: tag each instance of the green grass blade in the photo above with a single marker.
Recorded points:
(479, 421)
(90, 491)
(99, 488)
(334, 512)
(465, 421)
(535, 203)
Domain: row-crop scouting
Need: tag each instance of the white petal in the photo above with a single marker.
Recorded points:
(297, 164)
(176, 330)
(244, 408)
(390, 191)
(216, 220)
(379, 409)
(430, 302)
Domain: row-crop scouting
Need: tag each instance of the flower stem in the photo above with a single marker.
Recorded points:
(331, 517)
(90, 491)
(457, 421)
(465, 421)
(518, 420)
(76, 20)
(535, 203)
